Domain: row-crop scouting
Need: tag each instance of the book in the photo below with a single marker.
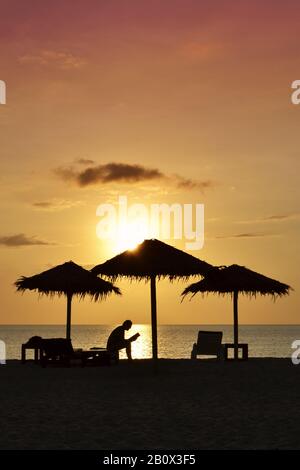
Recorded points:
(134, 337)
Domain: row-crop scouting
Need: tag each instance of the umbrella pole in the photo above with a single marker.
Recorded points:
(236, 325)
(69, 304)
(153, 318)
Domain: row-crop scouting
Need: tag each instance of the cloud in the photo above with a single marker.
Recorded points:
(108, 173)
(21, 239)
(187, 183)
(58, 59)
(246, 235)
(279, 217)
(250, 235)
(271, 218)
(42, 205)
(55, 205)
(67, 173)
(117, 172)
(126, 173)
(84, 161)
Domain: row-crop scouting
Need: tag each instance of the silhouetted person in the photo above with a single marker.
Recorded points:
(117, 341)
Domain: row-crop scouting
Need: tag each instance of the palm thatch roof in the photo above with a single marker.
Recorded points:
(237, 278)
(153, 258)
(67, 279)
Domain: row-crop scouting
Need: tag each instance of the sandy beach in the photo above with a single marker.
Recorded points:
(186, 405)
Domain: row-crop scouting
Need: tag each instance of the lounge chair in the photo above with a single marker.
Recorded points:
(33, 343)
(58, 350)
(209, 344)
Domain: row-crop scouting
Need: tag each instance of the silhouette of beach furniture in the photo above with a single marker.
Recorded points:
(34, 344)
(96, 356)
(241, 346)
(209, 343)
(236, 280)
(60, 351)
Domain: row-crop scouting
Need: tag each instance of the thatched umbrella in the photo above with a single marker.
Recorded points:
(150, 260)
(67, 279)
(233, 280)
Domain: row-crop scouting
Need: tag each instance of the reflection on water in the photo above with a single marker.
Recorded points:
(174, 341)
(141, 348)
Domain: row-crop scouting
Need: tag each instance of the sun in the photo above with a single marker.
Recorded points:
(129, 236)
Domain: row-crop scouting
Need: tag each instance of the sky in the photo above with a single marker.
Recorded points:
(179, 101)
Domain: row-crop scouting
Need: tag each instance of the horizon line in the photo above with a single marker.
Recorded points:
(148, 324)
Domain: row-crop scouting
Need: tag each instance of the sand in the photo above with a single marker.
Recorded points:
(186, 405)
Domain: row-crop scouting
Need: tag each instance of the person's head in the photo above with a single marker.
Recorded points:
(127, 324)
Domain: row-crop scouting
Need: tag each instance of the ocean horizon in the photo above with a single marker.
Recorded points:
(174, 341)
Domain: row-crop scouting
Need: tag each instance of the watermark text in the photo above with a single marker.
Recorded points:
(295, 96)
(132, 224)
(2, 353)
(2, 92)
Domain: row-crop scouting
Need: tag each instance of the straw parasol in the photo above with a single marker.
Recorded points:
(150, 260)
(234, 280)
(67, 279)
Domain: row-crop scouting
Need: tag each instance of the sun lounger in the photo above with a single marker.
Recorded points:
(209, 343)
(58, 351)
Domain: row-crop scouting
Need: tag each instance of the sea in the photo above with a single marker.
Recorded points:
(174, 341)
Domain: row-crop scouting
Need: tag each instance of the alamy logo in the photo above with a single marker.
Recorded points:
(136, 222)
(295, 96)
(2, 353)
(2, 92)
(295, 357)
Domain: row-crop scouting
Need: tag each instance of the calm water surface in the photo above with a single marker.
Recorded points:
(174, 341)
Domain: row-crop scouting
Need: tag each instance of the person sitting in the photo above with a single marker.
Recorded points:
(116, 340)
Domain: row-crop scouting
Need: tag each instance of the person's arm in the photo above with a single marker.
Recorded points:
(134, 337)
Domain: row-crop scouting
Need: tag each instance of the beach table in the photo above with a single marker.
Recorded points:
(242, 346)
(36, 349)
(96, 356)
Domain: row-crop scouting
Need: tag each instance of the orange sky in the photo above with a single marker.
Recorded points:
(200, 90)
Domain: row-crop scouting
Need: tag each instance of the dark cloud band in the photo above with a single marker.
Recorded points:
(20, 239)
(126, 173)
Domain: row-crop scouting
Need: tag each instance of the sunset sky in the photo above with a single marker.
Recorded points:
(198, 94)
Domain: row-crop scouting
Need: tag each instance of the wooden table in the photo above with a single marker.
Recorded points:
(242, 346)
(96, 357)
(37, 353)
